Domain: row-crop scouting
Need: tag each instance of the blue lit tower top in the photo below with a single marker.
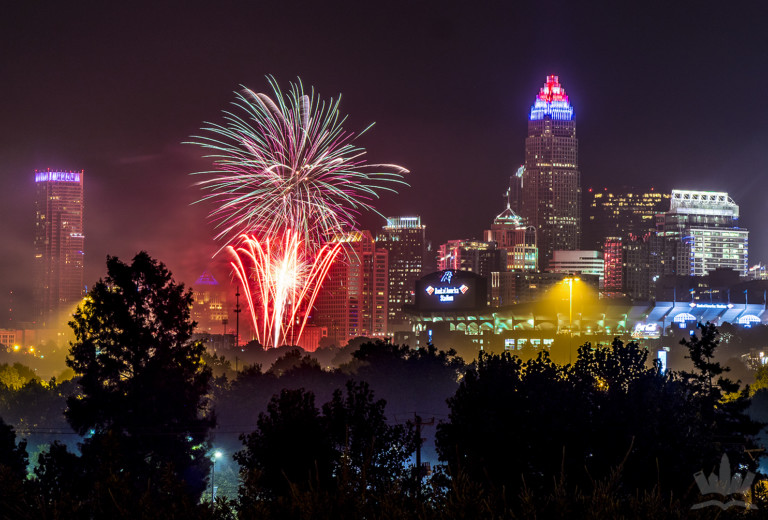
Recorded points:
(552, 101)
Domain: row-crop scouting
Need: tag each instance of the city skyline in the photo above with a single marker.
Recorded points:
(456, 123)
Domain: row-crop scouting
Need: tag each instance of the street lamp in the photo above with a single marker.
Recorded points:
(570, 281)
(216, 455)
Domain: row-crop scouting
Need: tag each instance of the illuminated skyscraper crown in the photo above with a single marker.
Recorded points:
(552, 101)
(508, 217)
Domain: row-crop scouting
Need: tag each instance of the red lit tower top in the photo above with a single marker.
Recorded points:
(552, 101)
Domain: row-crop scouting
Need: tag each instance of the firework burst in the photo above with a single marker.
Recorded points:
(287, 163)
(286, 180)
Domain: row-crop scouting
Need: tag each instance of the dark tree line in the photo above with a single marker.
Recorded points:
(341, 462)
(609, 410)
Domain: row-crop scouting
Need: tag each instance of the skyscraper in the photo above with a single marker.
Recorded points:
(59, 243)
(484, 258)
(551, 184)
(519, 241)
(353, 299)
(210, 309)
(613, 258)
(403, 237)
(704, 225)
(620, 212)
(480, 257)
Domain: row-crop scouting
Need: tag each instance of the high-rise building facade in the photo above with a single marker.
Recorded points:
(578, 262)
(210, 310)
(479, 257)
(518, 240)
(59, 244)
(613, 259)
(353, 300)
(551, 183)
(620, 212)
(704, 225)
(484, 258)
(403, 238)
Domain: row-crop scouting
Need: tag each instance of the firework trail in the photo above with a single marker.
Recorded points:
(286, 180)
(283, 279)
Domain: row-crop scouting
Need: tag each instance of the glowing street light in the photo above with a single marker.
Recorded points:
(214, 457)
(570, 282)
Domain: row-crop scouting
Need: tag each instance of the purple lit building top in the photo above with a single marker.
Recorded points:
(57, 176)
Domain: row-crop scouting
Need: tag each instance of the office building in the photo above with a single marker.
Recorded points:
(578, 262)
(477, 256)
(209, 308)
(59, 244)
(613, 271)
(758, 272)
(620, 213)
(518, 241)
(403, 238)
(551, 185)
(704, 227)
(353, 299)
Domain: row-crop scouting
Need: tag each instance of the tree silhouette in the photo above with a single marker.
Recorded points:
(291, 449)
(142, 383)
(722, 403)
(341, 463)
(611, 409)
(13, 472)
(372, 454)
(701, 349)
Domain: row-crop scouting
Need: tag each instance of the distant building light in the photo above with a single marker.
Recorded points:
(748, 320)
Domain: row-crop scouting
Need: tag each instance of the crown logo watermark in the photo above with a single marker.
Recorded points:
(724, 484)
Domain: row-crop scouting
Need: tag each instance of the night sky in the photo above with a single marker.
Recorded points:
(670, 96)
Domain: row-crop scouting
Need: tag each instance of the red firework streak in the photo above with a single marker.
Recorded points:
(280, 279)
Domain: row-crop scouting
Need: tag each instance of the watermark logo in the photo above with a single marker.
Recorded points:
(724, 484)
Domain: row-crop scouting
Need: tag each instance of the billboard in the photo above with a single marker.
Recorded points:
(646, 331)
(451, 290)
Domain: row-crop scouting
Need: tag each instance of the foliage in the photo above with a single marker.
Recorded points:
(701, 350)
(292, 360)
(143, 385)
(16, 375)
(609, 409)
(290, 448)
(219, 365)
(609, 436)
(13, 456)
(36, 410)
(346, 461)
(371, 453)
(13, 471)
(761, 380)
(68, 486)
